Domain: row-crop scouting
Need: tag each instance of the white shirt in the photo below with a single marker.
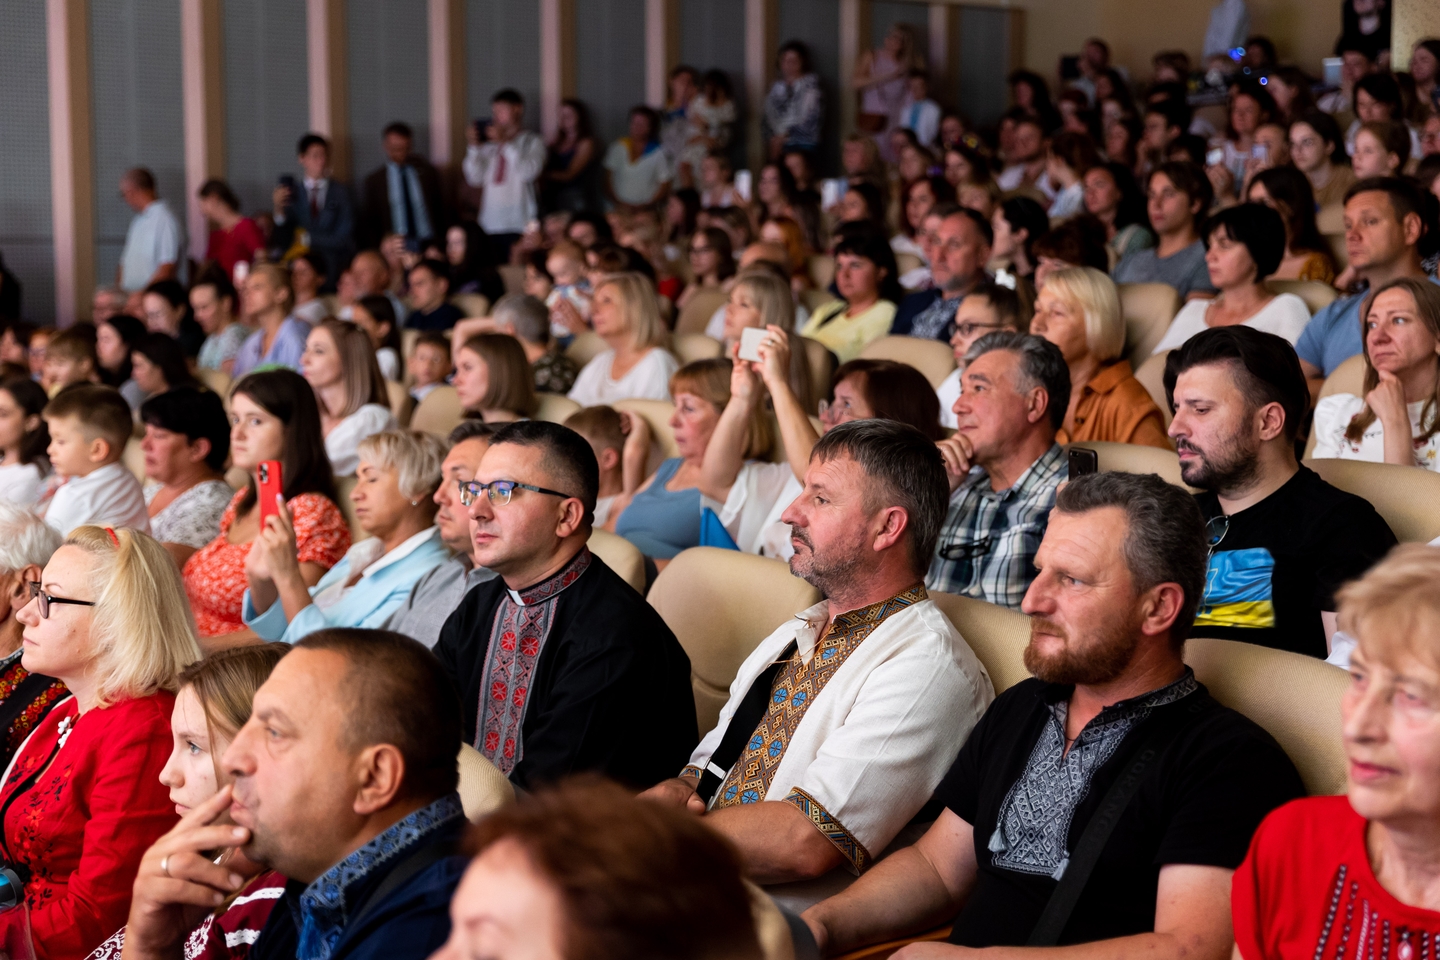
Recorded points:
(1333, 415)
(508, 203)
(1013, 178)
(20, 483)
(342, 443)
(876, 740)
(1068, 202)
(154, 238)
(312, 311)
(638, 182)
(647, 380)
(949, 392)
(1284, 316)
(921, 116)
(751, 511)
(108, 497)
(388, 362)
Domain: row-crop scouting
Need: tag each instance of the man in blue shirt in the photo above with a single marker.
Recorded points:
(959, 250)
(1384, 221)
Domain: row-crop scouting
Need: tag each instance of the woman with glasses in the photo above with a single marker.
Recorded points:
(712, 262)
(626, 315)
(83, 799)
(985, 309)
(394, 503)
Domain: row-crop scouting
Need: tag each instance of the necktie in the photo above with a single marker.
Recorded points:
(500, 166)
(314, 192)
(409, 230)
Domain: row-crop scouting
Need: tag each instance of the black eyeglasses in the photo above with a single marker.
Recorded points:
(45, 599)
(498, 491)
(1215, 530)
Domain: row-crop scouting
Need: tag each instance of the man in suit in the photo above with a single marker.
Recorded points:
(403, 196)
(321, 206)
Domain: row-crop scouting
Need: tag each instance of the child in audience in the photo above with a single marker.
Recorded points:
(35, 349)
(569, 299)
(717, 181)
(89, 425)
(538, 282)
(429, 364)
(376, 316)
(604, 429)
(70, 358)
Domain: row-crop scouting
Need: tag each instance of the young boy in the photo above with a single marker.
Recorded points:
(604, 430)
(89, 426)
(70, 358)
(429, 364)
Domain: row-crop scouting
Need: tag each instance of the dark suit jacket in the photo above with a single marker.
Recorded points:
(377, 222)
(332, 234)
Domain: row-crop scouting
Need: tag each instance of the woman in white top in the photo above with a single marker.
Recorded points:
(1398, 419)
(1244, 245)
(339, 364)
(23, 439)
(626, 315)
(186, 446)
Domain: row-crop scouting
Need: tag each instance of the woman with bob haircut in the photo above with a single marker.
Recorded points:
(83, 800)
(394, 503)
(273, 416)
(1355, 874)
(186, 446)
(626, 315)
(1397, 420)
(340, 364)
(493, 379)
(1078, 310)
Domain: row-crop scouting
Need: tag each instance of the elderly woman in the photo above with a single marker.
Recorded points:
(1078, 310)
(83, 799)
(272, 417)
(1398, 418)
(1358, 871)
(626, 315)
(399, 473)
(186, 445)
(349, 388)
(493, 379)
(26, 545)
(869, 285)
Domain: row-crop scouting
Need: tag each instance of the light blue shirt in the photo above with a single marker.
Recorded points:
(397, 201)
(383, 587)
(1333, 335)
(154, 239)
(284, 352)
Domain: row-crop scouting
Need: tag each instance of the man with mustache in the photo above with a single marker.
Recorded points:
(1120, 572)
(1282, 540)
(842, 721)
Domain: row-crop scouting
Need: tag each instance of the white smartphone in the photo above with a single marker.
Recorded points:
(750, 340)
(742, 184)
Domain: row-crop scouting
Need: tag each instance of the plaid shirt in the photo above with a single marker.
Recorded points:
(987, 545)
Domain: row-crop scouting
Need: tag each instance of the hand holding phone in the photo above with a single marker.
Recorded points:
(750, 340)
(269, 486)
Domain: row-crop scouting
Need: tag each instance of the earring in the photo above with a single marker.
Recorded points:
(414, 503)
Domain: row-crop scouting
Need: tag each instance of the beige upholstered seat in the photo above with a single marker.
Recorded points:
(1148, 310)
(720, 605)
(816, 297)
(696, 314)
(438, 413)
(1315, 294)
(218, 381)
(657, 414)
(822, 364)
(1331, 221)
(1407, 497)
(822, 270)
(586, 347)
(401, 403)
(689, 347)
(997, 635)
(771, 927)
(1151, 374)
(343, 486)
(905, 262)
(1338, 251)
(932, 358)
(471, 304)
(620, 555)
(483, 788)
(513, 276)
(1295, 697)
(134, 458)
(555, 407)
(1134, 458)
(1349, 377)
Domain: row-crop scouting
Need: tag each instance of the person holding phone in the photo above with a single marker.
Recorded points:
(320, 206)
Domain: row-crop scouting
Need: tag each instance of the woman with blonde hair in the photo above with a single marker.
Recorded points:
(1397, 419)
(1078, 310)
(493, 378)
(339, 363)
(759, 299)
(266, 301)
(82, 799)
(626, 315)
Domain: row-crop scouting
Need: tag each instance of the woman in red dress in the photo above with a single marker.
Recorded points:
(235, 238)
(82, 800)
(1358, 876)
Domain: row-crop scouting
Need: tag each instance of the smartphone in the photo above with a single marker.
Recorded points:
(750, 339)
(1214, 157)
(287, 180)
(270, 486)
(743, 184)
(1083, 461)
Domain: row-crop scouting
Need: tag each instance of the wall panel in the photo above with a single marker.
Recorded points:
(502, 49)
(712, 37)
(816, 23)
(387, 45)
(266, 83)
(26, 228)
(610, 61)
(985, 39)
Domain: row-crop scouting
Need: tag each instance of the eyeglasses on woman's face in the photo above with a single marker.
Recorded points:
(45, 599)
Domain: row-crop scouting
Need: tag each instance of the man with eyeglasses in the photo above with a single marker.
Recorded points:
(562, 667)
(958, 251)
(1003, 465)
(1282, 540)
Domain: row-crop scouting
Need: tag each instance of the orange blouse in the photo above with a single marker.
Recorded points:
(1114, 407)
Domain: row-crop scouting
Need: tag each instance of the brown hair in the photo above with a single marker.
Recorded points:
(895, 391)
(279, 278)
(710, 381)
(795, 246)
(101, 412)
(1427, 309)
(71, 345)
(1394, 610)
(601, 427)
(636, 879)
(364, 383)
(225, 683)
(511, 381)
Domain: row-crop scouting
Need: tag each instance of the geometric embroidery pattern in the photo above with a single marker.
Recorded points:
(851, 849)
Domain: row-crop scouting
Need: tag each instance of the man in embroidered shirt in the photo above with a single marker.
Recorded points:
(561, 666)
(1003, 465)
(505, 166)
(958, 254)
(357, 807)
(877, 690)
(1121, 570)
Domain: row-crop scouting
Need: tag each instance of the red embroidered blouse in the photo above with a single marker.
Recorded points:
(77, 835)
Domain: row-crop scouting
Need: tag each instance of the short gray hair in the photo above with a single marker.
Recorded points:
(526, 314)
(1165, 542)
(1041, 365)
(416, 458)
(25, 539)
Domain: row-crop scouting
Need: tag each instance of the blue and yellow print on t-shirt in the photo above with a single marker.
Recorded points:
(1238, 592)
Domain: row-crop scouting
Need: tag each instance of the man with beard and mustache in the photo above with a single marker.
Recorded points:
(842, 721)
(1121, 570)
(1282, 540)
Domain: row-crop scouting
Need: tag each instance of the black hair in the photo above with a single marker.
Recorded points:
(1266, 45)
(1079, 241)
(1383, 88)
(1290, 190)
(1175, 110)
(509, 95)
(800, 50)
(1190, 180)
(568, 457)
(305, 466)
(399, 128)
(131, 331)
(1043, 109)
(1024, 213)
(471, 428)
(30, 397)
(601, 226)
(1191, 145)
(584, 127)
(1266, 369)
(873, 246)
(874, 201)
(213, 276)
(719, 80)
(172, 290)
(438, 269)
(1324, 125)
(1258, 227)
(1132, 208)
(652, 117)
(198, 414)
(311, 140)
(221, 191)
(379, 306)
(165, 352)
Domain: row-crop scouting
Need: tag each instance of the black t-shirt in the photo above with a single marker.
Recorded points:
(1281, 561)
(1199, 803)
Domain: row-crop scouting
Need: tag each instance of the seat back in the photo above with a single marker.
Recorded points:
(1151, 375)
(1315, 294)
(997, 635)
(400, 401)
(690, 347)
(471, 304)
(822, 270)
(218, 381)
(822, 365)
(905, 262)
(1295, 697)
(586, 347)
(620, 555)
(134, 458)
(1338, 251)
(657, 414)
(439, 413)
(513, 276)
(343, 486)
(1407, 497)
(1134, 458)
(720, 604)
(1148, 310)
(483, 788)
(815, 298)
(1349, 377)
(931, 357)
(696, 313)
(555, 407)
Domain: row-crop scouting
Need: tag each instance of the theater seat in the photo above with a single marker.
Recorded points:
(822, 270)
(932, 358)
(771, 927)
(1407, 497)
(881, 951)
(483, 788)
(513, 276)
(438, 413)
(134, 458)
(696, 314)
(401, 403)
(1151, 374)
(1316, 295)
(1148, 309)
(586, 347)
(620, 555)
(815, 298)
(555, 407)
(657, 414)
(822, 365)
(997, 634)
(471, 304)
(720, 605)
(1134, 458)
(1349, 377)
(218, 381)
(690, 347)
(1295, 697)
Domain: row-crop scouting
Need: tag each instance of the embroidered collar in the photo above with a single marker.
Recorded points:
(325, 904)
(1058, 693)
(872, 615)
(551, 587)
